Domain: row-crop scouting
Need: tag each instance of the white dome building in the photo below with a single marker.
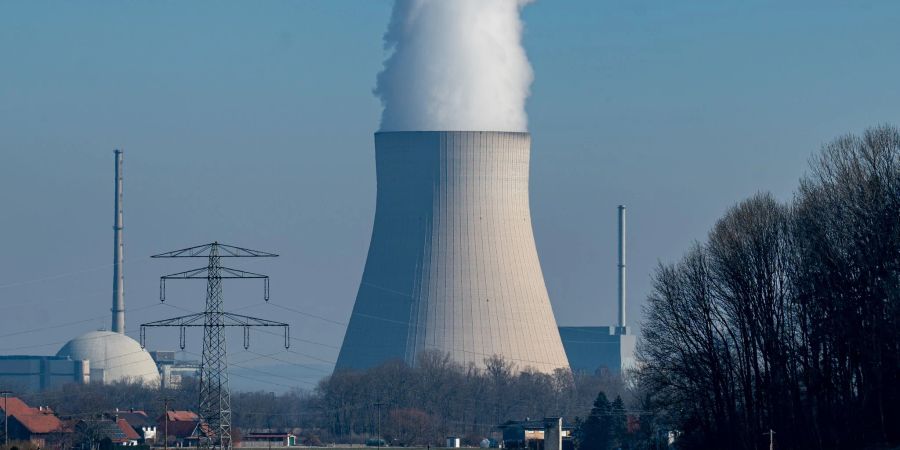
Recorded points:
(113, 357)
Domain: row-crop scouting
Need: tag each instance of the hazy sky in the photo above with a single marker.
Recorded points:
(251, 123)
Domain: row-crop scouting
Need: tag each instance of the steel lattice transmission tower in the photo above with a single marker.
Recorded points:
(215, 401)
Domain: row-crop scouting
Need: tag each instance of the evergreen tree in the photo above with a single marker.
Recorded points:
(619, 422)
(596, 431)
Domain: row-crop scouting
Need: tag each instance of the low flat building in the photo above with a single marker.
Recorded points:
(32, 373)
(590, 349)
(262, 440)
(531, 434)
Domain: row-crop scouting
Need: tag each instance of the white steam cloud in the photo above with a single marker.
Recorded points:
(455, 65)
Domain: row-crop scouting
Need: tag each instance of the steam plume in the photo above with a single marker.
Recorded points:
(455, 65)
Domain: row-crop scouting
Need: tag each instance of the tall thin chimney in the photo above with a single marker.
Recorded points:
(118, 308)
(621, 269)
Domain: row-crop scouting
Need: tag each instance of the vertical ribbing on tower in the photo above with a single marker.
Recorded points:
(118, 305)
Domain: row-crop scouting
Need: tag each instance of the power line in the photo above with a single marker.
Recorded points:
(290, 362)
(54, 277)
(35, 330)
(269, 374)
(67, 274)
(302, 313)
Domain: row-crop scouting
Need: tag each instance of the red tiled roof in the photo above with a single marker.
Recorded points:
(15, 405)
(137, 419)
(182, 424)
(181, 416)
(127, 430)
(36, 420)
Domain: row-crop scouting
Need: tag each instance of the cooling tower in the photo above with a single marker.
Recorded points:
(452, 265)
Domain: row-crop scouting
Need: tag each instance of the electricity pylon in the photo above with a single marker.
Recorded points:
(215, 400)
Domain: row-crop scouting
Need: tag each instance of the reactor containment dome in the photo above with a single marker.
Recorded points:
(452, 265)
(113, 357)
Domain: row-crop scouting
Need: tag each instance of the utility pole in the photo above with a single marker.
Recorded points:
(771, 434)
(215, 400)
(5, 395)
(269, 425)
(379, 405)
(166, 422)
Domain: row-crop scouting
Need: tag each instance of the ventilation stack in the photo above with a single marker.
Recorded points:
(118, 305)
(621, 327)
(452, 265)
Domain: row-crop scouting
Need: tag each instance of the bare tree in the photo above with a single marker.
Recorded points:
(787, 317)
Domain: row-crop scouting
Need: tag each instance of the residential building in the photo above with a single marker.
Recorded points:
(29, 424)
(140, 422)
(181, 428)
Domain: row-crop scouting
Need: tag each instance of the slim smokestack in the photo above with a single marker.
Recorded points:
(622, 268)
(118, 308)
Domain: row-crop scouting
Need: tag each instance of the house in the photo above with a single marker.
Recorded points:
(182, 428)
(29, 424)
(140, 422)
(118, 432)
(132, 437)
(530, 434)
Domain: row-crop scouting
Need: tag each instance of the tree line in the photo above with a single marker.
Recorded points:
(402, 404)
(786, 318)
(438, 397)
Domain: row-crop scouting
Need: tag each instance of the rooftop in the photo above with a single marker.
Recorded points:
(37, 420)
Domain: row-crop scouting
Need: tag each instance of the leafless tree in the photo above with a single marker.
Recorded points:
(786, 318)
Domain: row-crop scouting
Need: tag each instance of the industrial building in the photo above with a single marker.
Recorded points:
(24, 373)
(96, 356)
(452, 264)
(173, 371)
(590, 349)
(593, 348)
(113, 355)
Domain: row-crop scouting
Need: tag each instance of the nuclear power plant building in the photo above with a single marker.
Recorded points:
(593, 348)
(452, 264)
(603, 348)
(28, 373)
(96, 356)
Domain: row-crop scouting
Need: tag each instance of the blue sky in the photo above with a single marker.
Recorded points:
(251, 123)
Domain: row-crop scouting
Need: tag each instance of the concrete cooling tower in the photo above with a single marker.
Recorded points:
(452, 265)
